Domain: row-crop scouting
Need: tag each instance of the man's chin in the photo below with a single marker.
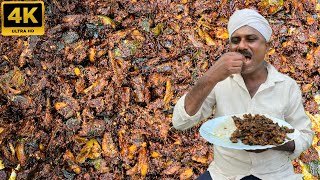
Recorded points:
(246, 71)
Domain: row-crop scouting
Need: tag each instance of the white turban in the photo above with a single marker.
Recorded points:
(249, 17)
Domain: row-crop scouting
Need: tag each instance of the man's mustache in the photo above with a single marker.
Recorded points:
(245, 53)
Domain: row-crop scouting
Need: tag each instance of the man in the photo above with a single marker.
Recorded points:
(242, 82)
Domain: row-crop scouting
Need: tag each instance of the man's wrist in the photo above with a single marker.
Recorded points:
(210, 79)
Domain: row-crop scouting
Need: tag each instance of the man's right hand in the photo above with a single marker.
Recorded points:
(229, 63)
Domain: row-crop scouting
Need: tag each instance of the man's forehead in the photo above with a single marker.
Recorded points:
(246, 31)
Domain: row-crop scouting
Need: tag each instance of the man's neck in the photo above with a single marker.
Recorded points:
(255, 79)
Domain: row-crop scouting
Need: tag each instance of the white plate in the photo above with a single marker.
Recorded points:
(218, 132)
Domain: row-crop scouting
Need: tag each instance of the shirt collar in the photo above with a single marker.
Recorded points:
(273, 75)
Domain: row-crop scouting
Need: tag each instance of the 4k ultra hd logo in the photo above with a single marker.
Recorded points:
(22, 18)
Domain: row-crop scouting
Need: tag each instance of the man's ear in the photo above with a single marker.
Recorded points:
(268, 45)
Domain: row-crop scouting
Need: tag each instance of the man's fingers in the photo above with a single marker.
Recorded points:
(237, 63)
(257, 151)
(235, 70)
(233, 53)
(236, 55)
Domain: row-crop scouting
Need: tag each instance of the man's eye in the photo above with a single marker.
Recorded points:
(252, 39)
(235, 41)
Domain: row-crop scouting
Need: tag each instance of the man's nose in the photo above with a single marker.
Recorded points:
(242, 45)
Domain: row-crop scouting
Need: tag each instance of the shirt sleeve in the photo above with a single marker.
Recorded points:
(181, 120)
(296, 116)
